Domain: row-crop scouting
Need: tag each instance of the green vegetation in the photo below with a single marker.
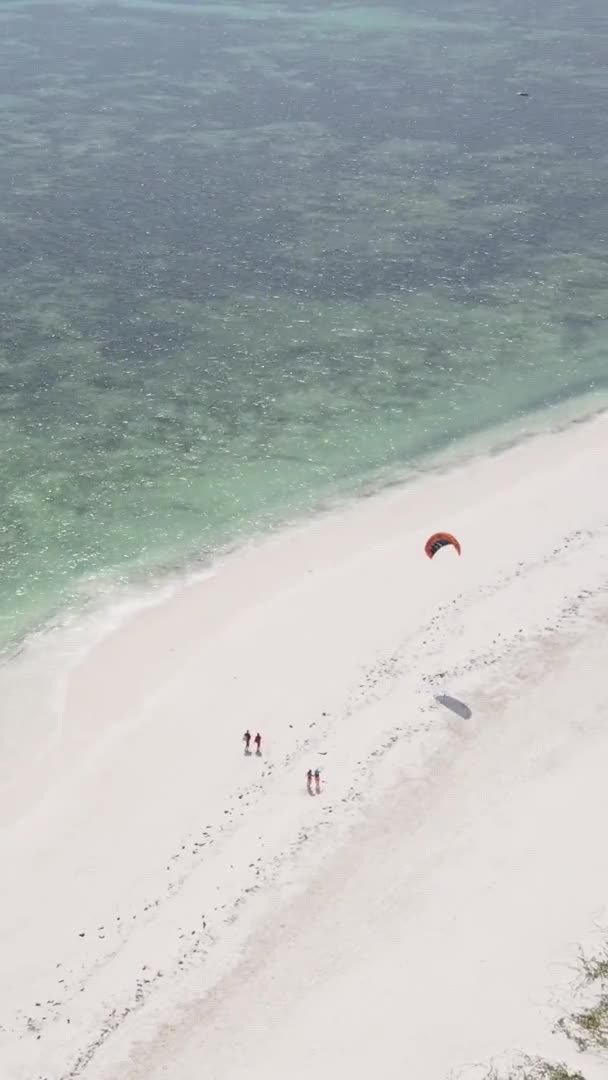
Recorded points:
(586, 1027)
(536, 1070)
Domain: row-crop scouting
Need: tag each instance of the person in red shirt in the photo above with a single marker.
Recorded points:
(258, 744)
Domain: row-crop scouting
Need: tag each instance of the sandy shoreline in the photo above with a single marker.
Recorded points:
(165, 894)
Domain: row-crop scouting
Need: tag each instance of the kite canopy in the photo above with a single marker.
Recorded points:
(439, 540)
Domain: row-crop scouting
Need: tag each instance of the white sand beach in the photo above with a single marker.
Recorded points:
(171, 907)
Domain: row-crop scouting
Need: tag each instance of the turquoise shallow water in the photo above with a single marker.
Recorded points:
(253, 255)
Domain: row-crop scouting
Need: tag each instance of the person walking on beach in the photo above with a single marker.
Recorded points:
(247, 740)
(258, 744)
(317, 782)
(309, 781)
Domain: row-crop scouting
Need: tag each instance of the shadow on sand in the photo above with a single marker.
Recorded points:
(454, 705)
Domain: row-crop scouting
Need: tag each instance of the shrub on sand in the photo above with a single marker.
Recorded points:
(536, 1069)
(588, 1028)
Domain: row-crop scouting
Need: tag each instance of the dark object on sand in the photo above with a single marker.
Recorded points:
(454, 705)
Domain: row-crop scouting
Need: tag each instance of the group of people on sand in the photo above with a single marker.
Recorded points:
(310, 775)
(317, 778)
(257, 742)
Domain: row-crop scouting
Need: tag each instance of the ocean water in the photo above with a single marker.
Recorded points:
(253, 254)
